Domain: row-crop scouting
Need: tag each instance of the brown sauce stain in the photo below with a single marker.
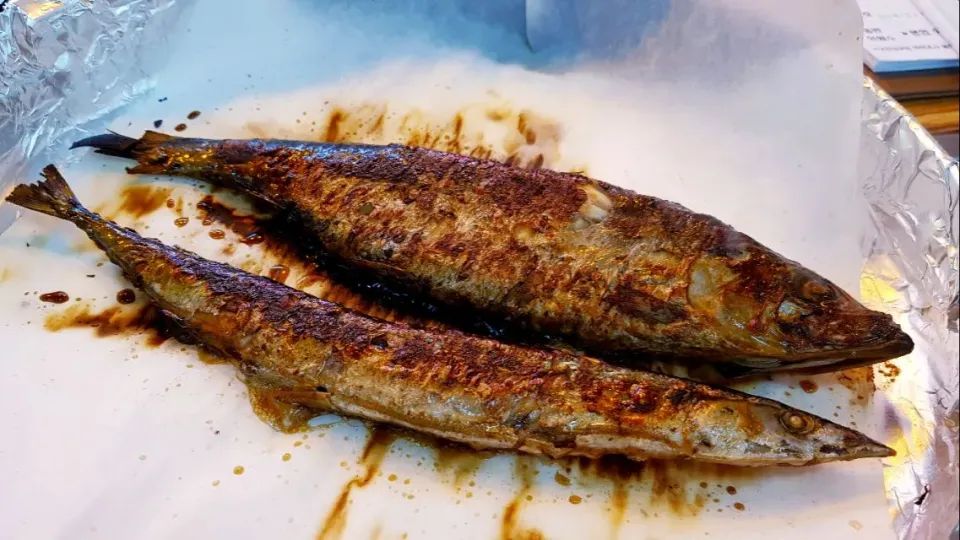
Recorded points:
(622, 473)
(217, 234)
(140, 200)
(56, 297)
(180, 127)
(171, 203)
(531, 140)
(244, 225)
(668, 485)
(510, 528)
(731, 490)
(859, 381)
(561, 479)
(113, 321)
(889, 370)
(460, 461)
(332, 132)
(193, 115)
(126, 296)
(739, 506)
(808, 386)
(371, 458)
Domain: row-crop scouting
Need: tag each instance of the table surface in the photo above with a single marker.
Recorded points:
(940, 115)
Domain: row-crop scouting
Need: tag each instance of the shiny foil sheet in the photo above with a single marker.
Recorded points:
(911, 188)
(67, 63)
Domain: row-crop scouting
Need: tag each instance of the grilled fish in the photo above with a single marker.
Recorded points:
(613, 272)
(297, 349)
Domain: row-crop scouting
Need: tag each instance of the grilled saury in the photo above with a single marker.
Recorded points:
(298, 350)
(612, 271)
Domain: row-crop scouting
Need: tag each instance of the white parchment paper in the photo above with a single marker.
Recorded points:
(743, 109)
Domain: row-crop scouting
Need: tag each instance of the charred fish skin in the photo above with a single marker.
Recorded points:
(612, 271)
(298, 349)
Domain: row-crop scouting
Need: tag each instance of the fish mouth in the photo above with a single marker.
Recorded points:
(869, 448)
(825, 361)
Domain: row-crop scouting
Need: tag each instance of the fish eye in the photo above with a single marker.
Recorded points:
(796, 423)
(816, 291)
(791, 312)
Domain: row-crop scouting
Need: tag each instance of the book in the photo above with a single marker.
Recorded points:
(945, 17)
(897, 37)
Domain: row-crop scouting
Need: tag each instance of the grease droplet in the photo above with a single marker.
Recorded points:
(238, 470)
(57, 297)
(278, 273)
(286, 457)
(575, 499)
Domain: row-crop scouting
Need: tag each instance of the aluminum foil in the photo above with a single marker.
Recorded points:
(911, 188)
(67, 63)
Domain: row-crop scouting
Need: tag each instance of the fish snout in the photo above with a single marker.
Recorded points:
(861, 334)
(836, 443)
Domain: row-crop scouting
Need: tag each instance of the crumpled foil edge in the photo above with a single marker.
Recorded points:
(911, 189)
(68, 63)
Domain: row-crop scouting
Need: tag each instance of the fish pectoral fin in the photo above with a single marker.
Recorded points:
(178, 328)
(288, 410)
(306, 398)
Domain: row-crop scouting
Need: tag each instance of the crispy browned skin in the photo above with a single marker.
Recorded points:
(611, 270)
(297, 349)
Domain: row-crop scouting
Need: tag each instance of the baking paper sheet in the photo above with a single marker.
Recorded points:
(731, 108)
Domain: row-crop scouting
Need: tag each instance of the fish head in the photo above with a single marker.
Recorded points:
(822, 324)
(779, 315)
(758, 432)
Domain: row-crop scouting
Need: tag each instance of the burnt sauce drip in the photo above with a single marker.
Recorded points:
(114, 321)
(57, 297)
(126, 296)
(374, 451)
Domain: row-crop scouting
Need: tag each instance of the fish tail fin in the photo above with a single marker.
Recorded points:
(114, 144)
(51, 196)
